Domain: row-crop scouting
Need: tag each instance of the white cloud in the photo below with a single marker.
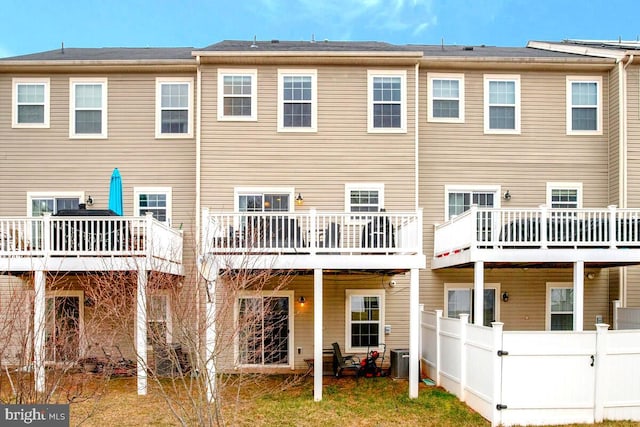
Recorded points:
(344, 19)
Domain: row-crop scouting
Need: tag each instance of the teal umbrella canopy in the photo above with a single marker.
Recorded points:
(115, 192)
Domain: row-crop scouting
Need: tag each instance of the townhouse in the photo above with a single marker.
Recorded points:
(376, 177)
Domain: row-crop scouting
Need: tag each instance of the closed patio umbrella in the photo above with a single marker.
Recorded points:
(115, 192)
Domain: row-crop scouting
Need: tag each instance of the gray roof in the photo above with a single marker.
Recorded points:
(369, 46)
(302, 46)
(185, 53)
(483, 51)
(108, 54)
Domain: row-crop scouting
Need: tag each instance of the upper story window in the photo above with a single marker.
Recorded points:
(460, 199)
(584, 111)
(445, 97)
(297, 100)
(501, 104)
(88, 114)
(156, 200)
(30, 103)
(174, 107)
(237, 95)
(52, 202)
(366, 197)
(564, 195)
(267, 199)
(387, 101)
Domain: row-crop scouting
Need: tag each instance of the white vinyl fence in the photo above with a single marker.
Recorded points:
(534, 378)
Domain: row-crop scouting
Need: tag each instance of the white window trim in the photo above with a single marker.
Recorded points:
(554, 285)
(457, 286)
(366, 186)
(445, 76)
(456, 188)
(72, 108)
(253, 73)
(177, 80)
(314, 98)
(564, 186)
(137, 191)
(169, 315)
(347, 334)
(371, 74)
(569, 100)
(236, 315)
(51, 194)
(46, 82)
(487, 122)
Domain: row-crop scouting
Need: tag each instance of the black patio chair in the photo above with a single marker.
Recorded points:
(342, 363)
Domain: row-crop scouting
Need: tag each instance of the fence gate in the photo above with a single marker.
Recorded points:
(547, 377)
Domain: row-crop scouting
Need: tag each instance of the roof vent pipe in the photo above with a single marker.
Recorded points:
(254, 45)
(62, 48)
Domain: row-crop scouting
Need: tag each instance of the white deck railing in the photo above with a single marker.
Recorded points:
(312, 232)
(538, 228)
(89, 236)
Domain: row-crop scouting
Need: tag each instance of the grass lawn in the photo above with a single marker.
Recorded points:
(265, 401)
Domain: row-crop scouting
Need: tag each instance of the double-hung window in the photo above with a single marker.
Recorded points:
(387, 101)
(30, 103)
(297, 101)
(501, 104)
(445, 97)
(364, 319)
(584, 110)
(174, 107)
(156, 200)
(366, 197)
(237, 95)
(559, 307)
(88, 115)
(564, 195)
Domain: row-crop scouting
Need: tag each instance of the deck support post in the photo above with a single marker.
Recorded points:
(478, 293)
(39, 319)
(210, 334)
(317, 334)
(141, 331)
(578, 296)
(414, 333)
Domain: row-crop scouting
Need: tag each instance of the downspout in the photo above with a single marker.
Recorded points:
(622, 158)
(198, 213)
(416, 132)
(198, 149)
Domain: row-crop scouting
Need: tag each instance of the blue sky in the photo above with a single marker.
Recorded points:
(37, 25)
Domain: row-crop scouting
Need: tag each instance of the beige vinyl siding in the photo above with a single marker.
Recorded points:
(334, 288)
(462, 154)
(317, 164)
(614, 136)
(48, 160)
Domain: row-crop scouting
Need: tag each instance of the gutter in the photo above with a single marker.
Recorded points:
(623, 158)
(578, 50)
